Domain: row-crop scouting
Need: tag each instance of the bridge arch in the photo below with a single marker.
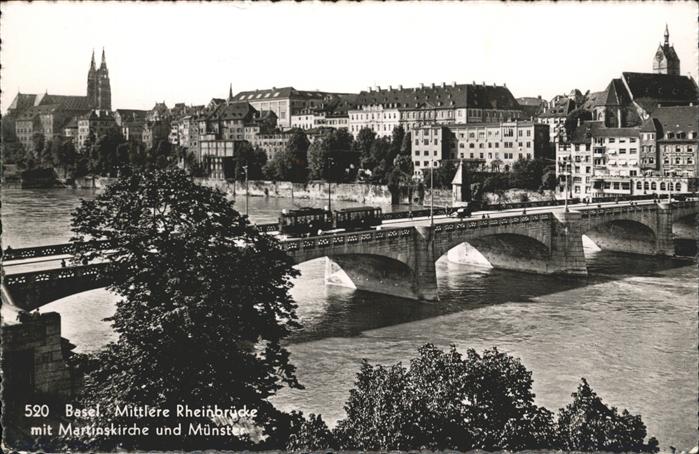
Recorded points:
(509, 251)
(31, 291)
(623, 235)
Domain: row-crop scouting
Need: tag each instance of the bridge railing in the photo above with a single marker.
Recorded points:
(95, 271)
(53, 249)
(364, 236)
(367, 236)
(491, 222)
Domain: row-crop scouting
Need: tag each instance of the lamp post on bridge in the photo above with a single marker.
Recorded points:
(247, 192)
(432, 195)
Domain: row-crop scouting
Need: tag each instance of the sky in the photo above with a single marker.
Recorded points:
(191, 52)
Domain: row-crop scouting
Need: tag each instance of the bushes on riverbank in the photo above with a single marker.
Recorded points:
(445, 401)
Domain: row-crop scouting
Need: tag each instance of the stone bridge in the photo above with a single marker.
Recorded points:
(400, 260)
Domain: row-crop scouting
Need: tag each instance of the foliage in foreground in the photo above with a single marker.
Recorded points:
(446, 401)
(204, 307)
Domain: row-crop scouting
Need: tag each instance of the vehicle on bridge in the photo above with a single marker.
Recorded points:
(310, 221)
(304, 220)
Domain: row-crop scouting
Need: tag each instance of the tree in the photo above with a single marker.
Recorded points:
(204, 306)
(105, 157)
(527, 173)
(443, 175)
(310, 434)
(254, 158)
(477, 402)
(406, 148)
(573, 118)
(332, 157)
(365, 138)
(587, 424)
(290, 164)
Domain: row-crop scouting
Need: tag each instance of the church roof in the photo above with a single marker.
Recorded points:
(650, 89)
(67, 102)
(616, 94)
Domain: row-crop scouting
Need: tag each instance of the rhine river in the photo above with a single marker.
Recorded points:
(630, 328)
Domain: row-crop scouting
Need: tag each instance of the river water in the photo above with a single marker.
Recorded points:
(630, 328)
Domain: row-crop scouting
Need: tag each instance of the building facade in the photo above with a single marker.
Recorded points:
(493, 146)
(381, 110)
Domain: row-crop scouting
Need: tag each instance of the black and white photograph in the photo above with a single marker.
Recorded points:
(349, 226)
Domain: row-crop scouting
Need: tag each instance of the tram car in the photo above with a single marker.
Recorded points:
(308, 221)
(303, 221)
(359, 218)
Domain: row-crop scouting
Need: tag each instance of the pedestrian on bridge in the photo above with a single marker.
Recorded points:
(63, 263)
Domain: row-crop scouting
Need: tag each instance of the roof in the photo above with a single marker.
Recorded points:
(589, 129)
(233, 111)
(560, 107)
(131, 114)
(676, 119)
(433, 96)
(594, 99)
(22, 102)
(72, 124)
(281, 93)
(649, 89)
(667, 51)
(67, 102)
(650, 124)
(530, 101)
(616, 94)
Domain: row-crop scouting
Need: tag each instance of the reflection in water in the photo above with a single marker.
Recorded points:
(630, 327)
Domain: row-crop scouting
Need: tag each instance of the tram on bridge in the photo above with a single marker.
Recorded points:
(307, 220)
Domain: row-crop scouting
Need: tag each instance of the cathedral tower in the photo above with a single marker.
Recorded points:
(92, 83)
(104, 91)
(666, 60)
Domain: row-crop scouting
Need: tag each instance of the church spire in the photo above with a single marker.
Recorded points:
(667, 35)
(230, 92)
(92, 63)
(104, 61)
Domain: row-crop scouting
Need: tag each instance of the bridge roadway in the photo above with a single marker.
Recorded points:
(398, 258)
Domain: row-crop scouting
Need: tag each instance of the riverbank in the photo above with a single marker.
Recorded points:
(348, 192)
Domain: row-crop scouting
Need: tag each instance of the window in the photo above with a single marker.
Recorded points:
(632, 150)
(638, 185)
(662, 186)
(470, 145)
(678, 187)
(610, 140)
(653, 186)
(461, 145)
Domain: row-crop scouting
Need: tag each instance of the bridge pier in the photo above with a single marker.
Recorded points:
(567, 255)
(425, 282)
(664, 242)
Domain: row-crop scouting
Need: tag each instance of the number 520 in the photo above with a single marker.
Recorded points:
(36, 411)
